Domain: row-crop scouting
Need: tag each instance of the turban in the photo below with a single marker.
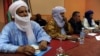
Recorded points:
(14, 6)
(56, 15)
(58, 10)
(87, 16)
(88, 13)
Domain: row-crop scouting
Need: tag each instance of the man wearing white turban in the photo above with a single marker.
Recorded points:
(58, 27)
(20, 34)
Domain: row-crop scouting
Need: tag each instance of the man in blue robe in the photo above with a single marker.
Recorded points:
(20, 34)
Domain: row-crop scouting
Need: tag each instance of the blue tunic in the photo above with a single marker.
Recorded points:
(11, 37)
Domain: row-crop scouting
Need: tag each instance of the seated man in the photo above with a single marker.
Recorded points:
(40, 20)
(58, 27)
(20, 34)
(75, 22)
(88, 21)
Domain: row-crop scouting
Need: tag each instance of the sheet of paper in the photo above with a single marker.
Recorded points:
(98, 37)
(38, 52)
(91, 28)
(92, 34)
(43, 52)
(37, 49)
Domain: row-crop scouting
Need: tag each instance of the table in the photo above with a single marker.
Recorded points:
(91, 47)
(66, 45)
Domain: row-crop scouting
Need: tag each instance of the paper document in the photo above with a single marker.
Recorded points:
(91, 28)
(37, 49)
(97, 37)
(92, 34)
(38, 52)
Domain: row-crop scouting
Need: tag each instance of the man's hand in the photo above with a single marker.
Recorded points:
(73, 38)
(28, 50)
(20, 49)
(62, 37)
(43, 45)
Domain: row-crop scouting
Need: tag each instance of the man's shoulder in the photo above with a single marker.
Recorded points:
(71, 20)
(34, 23)
(9, 26)
(10, 23)
(84, 18)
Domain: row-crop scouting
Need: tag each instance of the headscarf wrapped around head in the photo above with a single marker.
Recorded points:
(87, 16)
(14, 6)
(56, 15)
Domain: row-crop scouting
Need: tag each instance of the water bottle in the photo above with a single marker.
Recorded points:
(82, 36)
(99, 24)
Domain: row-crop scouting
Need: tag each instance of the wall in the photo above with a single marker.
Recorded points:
(1, 15)
(95, 6)
(74, 5)
(1, 12)
(45, 6)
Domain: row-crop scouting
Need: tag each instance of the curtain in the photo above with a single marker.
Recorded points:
(6, 13)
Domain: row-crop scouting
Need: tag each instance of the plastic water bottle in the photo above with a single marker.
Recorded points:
(82, 36)
(99, 24)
